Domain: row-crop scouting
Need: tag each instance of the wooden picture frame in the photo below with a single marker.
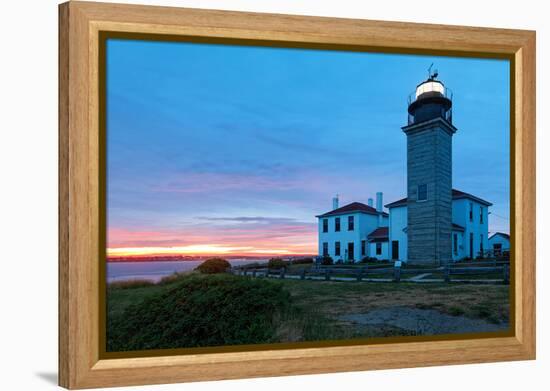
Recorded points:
(81, 207)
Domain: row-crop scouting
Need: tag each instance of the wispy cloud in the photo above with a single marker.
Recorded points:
(256, 219)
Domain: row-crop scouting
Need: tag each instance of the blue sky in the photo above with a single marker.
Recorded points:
(234, 146)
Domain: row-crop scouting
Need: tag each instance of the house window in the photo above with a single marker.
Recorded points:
(471, 211)
(455, 244)
(481, 215)
(378, 248)
(337, 249)
(350, 223)
(363, 247)
(325, 225)
(337, 224)
(422, 192)
(325, 249)
(481, 246)
(497, 249)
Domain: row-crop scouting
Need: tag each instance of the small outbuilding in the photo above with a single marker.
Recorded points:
(499, 243)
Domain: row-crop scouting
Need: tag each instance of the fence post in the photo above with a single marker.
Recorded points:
(447, 271)
(396, 274)
(282, 273)
(303, 275)
(506, 273)
(360, 274)
(327, 274)
(254, 272)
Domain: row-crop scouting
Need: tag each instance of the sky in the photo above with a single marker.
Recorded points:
(219, 149)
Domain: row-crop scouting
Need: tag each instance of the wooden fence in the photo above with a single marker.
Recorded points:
(471, 270)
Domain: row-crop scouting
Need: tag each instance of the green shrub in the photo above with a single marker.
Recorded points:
(129, 284)
(276, 263)
(456, 311)
(327, 261)
(172, 278)
(302, 261)
(213, 266)
(368, 259)
(201, 310)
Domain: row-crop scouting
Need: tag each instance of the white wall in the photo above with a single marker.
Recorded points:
(398, 222)
(383, 256)
(29, 152)
(460, 253)
(499, 239)
(364, 224)
(479, 230)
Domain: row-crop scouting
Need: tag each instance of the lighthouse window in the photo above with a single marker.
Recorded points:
(337, 224)
(350, 223)
(422, 192)
(325, 225)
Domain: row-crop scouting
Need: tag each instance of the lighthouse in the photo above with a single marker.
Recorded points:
(429, 132)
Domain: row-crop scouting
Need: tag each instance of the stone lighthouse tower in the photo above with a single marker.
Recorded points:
(429, 173)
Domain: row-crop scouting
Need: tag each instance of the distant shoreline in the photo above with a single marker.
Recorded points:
(203, 258)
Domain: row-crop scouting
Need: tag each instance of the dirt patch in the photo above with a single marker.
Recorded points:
(421, 321)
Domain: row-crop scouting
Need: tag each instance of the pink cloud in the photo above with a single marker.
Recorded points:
(295, 237)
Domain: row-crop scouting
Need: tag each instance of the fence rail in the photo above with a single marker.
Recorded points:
(482, 269)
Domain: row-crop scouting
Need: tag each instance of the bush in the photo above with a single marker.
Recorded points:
(130, 284)
(172, 278)
(327, 261)
(368, 259)
(276, 263)
(201, 310)
(213, 266)
(302, 261)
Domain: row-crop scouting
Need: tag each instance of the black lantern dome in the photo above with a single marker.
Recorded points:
(430, 100)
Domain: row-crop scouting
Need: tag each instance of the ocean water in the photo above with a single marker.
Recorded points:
(156, 270)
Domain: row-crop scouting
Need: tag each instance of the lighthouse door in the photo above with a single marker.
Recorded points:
(395, 249)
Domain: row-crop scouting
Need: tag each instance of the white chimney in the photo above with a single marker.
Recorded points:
(379, 206)
(335, 203)
(370, 202)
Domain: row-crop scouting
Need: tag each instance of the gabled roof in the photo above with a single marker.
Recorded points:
(354, 207)
(395, 204)
(456, 227)
(380, 234)
(456, 194)
(504, 235)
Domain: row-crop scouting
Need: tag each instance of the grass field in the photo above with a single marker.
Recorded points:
(312, 310)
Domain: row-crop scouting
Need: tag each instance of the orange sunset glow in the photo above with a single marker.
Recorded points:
(197, 250)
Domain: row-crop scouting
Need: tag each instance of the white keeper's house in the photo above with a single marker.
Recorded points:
(344, 232)
(434, 224)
